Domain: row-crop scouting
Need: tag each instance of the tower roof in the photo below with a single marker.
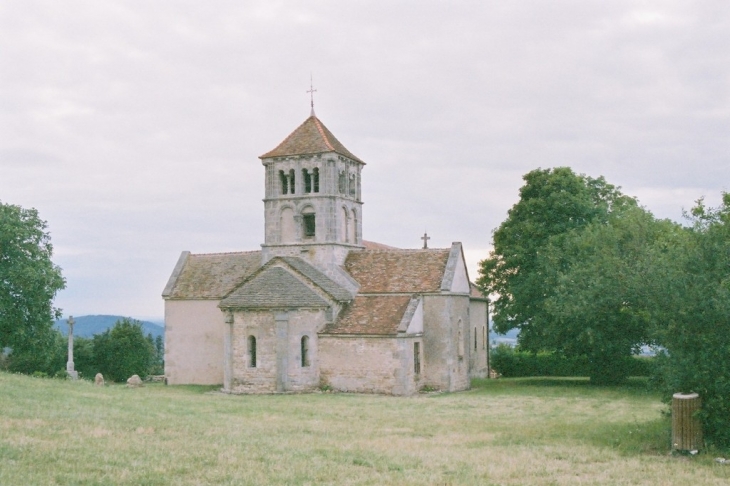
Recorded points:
(311, 137)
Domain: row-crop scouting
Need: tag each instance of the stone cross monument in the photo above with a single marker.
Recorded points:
(70, 363)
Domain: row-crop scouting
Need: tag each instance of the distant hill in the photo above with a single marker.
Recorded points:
(87, 326)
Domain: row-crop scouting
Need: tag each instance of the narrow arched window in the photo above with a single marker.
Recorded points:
(417, 358)
(307, 181)
(252, 352)
(305, 351)
(315, 179)
(342, 182)
(309, 222)
(475, 339)
(284, 182)
(291, 181)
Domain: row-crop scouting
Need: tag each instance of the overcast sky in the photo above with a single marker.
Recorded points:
(134, 127)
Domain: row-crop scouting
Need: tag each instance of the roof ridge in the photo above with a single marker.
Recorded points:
(248, 252)
(404, 250)
(321, 132)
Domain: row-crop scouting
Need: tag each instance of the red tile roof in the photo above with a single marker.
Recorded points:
(371, 314)
(401, 271)
(311, 137)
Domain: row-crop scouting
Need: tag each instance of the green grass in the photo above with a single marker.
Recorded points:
(516, 431)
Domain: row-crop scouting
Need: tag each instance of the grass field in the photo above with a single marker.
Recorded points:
(529, 431)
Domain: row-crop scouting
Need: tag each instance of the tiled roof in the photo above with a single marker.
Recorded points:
(402, 271)
(274, 287)
(213, 275)
(325, 283)
(475, 293)
(311, 137)
(372, 245)
(371, 314)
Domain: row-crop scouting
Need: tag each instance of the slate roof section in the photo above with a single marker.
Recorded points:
(311, 137)
(212, 275)
(398, 271)
(475, 293)
(337, 292)
(373, 245)
(273, 288)
(371, 315)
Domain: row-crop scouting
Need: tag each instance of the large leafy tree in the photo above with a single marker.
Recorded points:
(600, 306)
(552, 203)
(29, 281)
(536, 244)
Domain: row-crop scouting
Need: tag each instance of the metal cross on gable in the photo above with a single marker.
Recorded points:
(425, 239)
(311, 92)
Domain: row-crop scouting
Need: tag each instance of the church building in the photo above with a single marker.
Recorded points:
(318, 307)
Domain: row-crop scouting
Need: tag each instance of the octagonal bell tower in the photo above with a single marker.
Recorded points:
(313, 204)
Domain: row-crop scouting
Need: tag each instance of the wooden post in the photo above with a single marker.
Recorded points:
(686, 426)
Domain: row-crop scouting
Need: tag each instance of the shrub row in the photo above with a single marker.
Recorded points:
(512, 363)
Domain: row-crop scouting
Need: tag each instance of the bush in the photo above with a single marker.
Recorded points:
(123, 351)
(512, 363)
(45, 360)
(692, 316)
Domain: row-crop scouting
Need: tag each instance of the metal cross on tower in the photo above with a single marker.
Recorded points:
(425, 239)
(311, 92)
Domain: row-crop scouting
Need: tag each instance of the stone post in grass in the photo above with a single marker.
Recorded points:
(74, 375)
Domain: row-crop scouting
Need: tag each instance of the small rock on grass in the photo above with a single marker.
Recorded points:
(134, 381)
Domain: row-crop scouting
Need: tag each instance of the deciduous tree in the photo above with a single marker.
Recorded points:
(29, 281)
(599, 306)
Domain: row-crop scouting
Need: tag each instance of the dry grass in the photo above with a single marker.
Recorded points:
(541, 432)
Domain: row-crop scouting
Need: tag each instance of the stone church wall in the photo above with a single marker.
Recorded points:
(278, 351)
(194, 331)
(479, 328)
(368, 364)
(446, 341)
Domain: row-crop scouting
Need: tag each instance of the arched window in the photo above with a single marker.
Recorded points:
(475, 339)
(342, 182)
(315, 179)
(291, 181)
(284, 182)
(417, 358)
(305, 351)
(252, 352)
(309, 223)
(307, 181)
